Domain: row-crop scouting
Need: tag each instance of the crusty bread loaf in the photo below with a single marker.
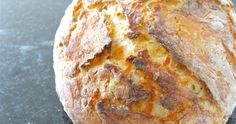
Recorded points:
(147, 61)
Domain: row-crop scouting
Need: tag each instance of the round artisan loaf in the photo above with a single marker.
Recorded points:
(147, 61)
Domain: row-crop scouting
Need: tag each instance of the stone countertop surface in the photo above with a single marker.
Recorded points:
(27, 88)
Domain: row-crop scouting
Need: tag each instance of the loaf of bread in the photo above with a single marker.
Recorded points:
(147, 61)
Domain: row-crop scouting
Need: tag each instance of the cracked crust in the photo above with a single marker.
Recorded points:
(137, 61)
(189, 32)
(174, 95)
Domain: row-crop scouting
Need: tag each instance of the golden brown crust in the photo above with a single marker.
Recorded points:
(125, 89)
(138, 62)
(89, 38)
(174, 95)
(189, 33)
(112, 115)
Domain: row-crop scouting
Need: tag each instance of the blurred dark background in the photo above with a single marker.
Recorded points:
(27, 88)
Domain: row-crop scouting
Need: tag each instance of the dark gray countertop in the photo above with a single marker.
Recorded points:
(27, 89)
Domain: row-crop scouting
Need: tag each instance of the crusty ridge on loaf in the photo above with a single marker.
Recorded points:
(155, 61)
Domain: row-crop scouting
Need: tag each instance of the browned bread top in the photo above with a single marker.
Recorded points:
(147, 61)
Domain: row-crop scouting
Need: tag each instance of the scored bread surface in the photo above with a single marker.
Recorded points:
(147, 61)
